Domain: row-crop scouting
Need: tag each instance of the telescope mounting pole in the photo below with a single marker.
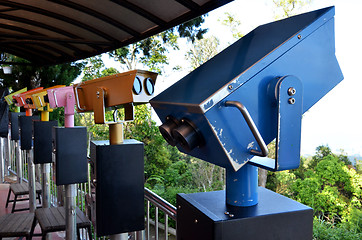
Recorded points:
(116, 137)
(18, 156)
(70, 189)
(31, 173)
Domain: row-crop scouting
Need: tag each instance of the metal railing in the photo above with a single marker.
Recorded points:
(160, 204)
(155, 205)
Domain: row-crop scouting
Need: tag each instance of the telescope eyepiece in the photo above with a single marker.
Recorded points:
(187, 135)
(166, 130)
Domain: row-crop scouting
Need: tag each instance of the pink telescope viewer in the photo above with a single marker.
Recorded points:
(63, 97)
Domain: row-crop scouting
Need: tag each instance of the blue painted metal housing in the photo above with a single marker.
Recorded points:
(301, 46)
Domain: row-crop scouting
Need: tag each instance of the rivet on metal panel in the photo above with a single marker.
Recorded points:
(230, 87)
(291, 100)
(291, 91)
(299, 36)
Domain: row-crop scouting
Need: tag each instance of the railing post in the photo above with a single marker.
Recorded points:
(166, 226)
(148, 220)
(156, 223)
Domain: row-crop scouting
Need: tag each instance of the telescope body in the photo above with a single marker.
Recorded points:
(24, 99)
(9, 98)
(275, 74)
(121, 89)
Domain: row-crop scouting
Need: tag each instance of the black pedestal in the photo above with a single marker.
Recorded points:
(119, 173)
(71, 165)
(43, 148)
(14, 120)
(26, 131)
(206, 216)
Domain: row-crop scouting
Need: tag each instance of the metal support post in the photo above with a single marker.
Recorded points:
(242, 186)
(46, 185)
(60, 195)
(31, 178)
(71, 189)
(2, 162)
(37, 173)
(19, 167)
(140, 235)
(116, 137)
(70, 212)
(7, 154)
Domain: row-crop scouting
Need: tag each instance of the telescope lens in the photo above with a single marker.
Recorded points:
(166, 130)
(137, 86)
(149, 86)
(187, 136)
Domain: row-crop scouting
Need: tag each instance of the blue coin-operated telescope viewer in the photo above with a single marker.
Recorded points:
(228, 109)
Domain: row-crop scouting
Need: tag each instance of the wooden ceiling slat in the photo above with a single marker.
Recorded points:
(32, 29)
(140, 11)
(98, 15)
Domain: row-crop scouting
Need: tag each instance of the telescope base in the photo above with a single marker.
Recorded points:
(206, 216)
(118, 173)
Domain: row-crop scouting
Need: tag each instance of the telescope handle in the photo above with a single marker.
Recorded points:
(259, 139)
(77, 98)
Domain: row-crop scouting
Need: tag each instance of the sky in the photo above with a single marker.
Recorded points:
(336, 120)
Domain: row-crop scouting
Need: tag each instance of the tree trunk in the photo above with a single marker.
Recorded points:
(263, 176)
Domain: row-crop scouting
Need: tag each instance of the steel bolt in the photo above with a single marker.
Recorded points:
(299, 36)
(291, 100)
(291, 91)
(230, 87)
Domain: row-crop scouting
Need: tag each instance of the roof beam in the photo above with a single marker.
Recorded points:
(98, 15)
(140, 11)
(34, 34)
(56, 40)
(59, 17)
(189, 4)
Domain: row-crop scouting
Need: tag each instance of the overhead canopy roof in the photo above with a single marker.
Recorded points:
(57, 31)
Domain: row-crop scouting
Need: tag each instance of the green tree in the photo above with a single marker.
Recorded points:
(287, 8)
(233, 24)
(31, 76)
(152, 52)
(331, 189)
(202, 51)
(93, 67)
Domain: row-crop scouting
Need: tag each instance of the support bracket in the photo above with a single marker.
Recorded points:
(289, 96)
(100, 109)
